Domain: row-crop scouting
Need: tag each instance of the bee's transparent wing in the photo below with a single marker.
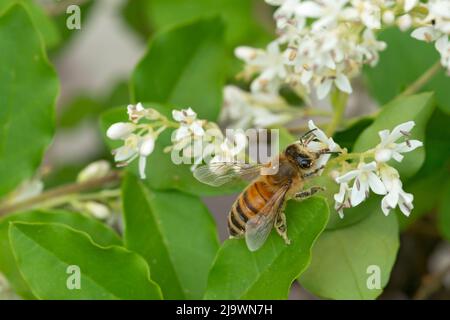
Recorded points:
(219, 173)
(258, 228)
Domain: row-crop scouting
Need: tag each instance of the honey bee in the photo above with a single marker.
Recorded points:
(260, 207)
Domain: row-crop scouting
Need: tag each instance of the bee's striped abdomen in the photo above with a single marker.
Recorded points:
(249, 203)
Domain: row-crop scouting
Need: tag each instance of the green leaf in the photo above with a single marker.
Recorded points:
(175, 233)
(346, 138)
(403, 62)
(100, 233)
(238, 15)
(162, 173)
(417, 108)
(28, 87)
(184, 67)
(269, 272)
(106, 272)
(41, 21)
(341, 258)
(444, 213)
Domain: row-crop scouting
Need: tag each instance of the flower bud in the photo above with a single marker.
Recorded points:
(120, 130)
(147, 146)
(95, 170)
(404, 22)
(98, 210)
(388, 17)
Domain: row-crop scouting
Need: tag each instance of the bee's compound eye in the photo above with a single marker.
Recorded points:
(304, 163)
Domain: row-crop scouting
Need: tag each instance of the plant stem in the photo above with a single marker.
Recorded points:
(57, 194)
(339, 101)
(422, 80)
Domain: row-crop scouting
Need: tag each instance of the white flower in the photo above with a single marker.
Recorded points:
(365, 180)
(135, 146)
(439, 13)
(443, 47)
(410, 4)
(244, 110)
(342, 199)
(323, 143)
(369, 12)
(137, 112)
(189, 125)
(328, 12)
(285, 12)
(340, 80)
(120, 130)
(270, 65)
(395, 194)
(371, 46)
(94, 170)
(231, 148)
(427, 34)
(388, 148)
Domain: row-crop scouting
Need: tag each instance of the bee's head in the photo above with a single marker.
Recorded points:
(300, 156)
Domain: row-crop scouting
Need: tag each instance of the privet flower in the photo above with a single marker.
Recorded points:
(323, 54)
(323, 44)
(138, 138)
(377, 175)
(435, 27)
(198, 140)
(244, 110)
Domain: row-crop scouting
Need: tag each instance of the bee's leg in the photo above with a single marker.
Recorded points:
(313, 173)
(308, 192)
(281, 227)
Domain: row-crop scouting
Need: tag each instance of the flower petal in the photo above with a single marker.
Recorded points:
(324, 88)
(408, 146)
(375, 184)
(343, 83)
(142, 164)
(358, 194)
(348, 176)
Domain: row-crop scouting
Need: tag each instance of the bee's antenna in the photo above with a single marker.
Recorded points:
(308, 136)
(330, 152)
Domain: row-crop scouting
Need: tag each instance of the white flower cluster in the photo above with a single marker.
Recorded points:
(321, 44)
(245, 110)
(139, 139)
(435, 27)
(197, 140)
(324, 43)
(377, 176)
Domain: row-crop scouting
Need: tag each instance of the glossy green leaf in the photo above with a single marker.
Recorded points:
(100, 233)
(269, 272)
(242, 24)
(344, 260)
(175, 233)
(162, 173)
(403, 62)
(417, 108)
(444, 212)
(183, 66)
(41, 21)
(26, 120)
(106, 272)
